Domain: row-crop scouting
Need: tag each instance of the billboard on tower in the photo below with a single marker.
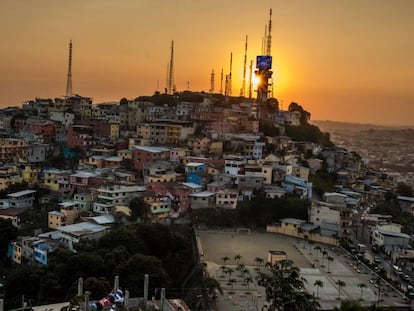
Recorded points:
(264, 62)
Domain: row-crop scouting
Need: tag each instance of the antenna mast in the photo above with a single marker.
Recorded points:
(269, 35)
(212, 81)
(228, 77)
(69, 77)
(170, 85)
(221, 81)
(250, 79)
(243, 88)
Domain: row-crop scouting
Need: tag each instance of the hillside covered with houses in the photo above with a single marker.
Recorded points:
(72, 172)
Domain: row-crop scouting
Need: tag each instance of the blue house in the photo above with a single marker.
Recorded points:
(297, 186)
(195, 173)
(40, 252)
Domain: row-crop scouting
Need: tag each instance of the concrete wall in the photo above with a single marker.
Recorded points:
(293, 232)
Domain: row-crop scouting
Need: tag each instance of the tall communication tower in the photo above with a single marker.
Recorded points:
(221, 81)
(212, 81)
(69, 77)
(269, 36)
(250, 79)
(264, 66)
(170, 84)
(228, 78)
(243, 88)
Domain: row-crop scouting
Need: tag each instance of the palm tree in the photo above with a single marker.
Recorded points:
(361, 286)
(225, 259)
(237, 258)
(318, 284)
(229, 271)
(258, 261)
(223, 269)
(340, 284)
(248, 279)
(329, 258)
(317, 248)
(324, 254)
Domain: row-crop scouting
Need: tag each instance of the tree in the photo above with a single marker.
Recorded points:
(324, 254)
(212, 285)
(229, 271)
(139, 209)
(340, 284)
(329, 258)
(404, 189)
(317, 249)
(225, 259)
(258, 261)
(248, 279)
(361, 286)
(285, 288)
(237, 258)
(8, 232)
(318, 284)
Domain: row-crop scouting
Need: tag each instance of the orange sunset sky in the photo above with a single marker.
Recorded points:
(346, 60)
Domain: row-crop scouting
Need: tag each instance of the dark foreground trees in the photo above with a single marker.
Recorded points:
(285, 290)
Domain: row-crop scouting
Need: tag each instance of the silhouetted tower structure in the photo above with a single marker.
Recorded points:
(250, 79)
(170, 85)
(269, 36)
(212, 81)
(228, 78)
(69, 77)
(243, 88)
(221, 81)
(264, 67)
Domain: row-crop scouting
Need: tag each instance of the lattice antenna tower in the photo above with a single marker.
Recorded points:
(221, 81)
(269, 36)
(69, 77)
(243, 88)
(250, 79)
(212, 75)
(264, 41)
(171, 85)
(228, 80)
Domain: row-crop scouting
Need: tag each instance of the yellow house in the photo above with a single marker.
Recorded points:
(173, 133)
(17, 252)
(55, 219)
(125, 154)
(50, 178)
(114, 132)
(9, 175)
(30, 174)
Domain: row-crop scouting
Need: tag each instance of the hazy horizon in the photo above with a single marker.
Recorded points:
(344, 61)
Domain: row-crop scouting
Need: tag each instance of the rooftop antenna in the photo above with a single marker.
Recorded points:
(243, 88)
(69, 78)
(171, 85)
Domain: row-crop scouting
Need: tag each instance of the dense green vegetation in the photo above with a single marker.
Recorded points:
(166, 253)
(322, 182)
(257, 212)
(309, 132)
(391, 207)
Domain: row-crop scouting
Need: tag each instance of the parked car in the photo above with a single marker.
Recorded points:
(377, 259)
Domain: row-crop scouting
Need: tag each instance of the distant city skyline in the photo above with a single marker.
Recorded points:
(347, 61)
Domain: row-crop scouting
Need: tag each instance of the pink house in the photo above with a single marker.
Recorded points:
(176, 191)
